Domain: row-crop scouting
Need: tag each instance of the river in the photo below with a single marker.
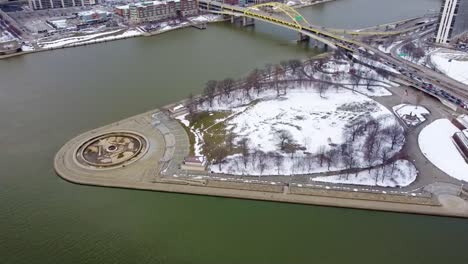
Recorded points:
(49, 97)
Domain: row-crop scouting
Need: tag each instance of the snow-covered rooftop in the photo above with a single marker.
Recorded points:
(6, 36)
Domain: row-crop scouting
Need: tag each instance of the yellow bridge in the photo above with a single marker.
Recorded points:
(286, 16)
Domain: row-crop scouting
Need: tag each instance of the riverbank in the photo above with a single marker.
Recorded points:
(111, 36)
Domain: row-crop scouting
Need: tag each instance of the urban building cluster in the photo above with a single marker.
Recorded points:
(46, 4)
(151, 11)
(453, 21)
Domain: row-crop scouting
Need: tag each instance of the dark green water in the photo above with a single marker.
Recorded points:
(48, 98)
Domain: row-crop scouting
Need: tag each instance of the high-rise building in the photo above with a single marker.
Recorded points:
(45, 4)
(453, 20)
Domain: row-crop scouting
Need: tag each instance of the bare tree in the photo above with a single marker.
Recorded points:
(321, 155)
(210, 90)
(349, 160)
(396, 135)
(278, 159)
(262, 161)
(285, 137)
(219, 155)
(269, 69)
(294, 64)
(355, 80)
(227, 86)
(370, 81)
(230, 141)
(332, 156)
(253, 80)
(278, 73)
(244, 148)
(355, 129)
(324, 84)
(372, 146)
(418, 53)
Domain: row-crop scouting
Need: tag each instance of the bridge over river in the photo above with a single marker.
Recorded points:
(287, 17)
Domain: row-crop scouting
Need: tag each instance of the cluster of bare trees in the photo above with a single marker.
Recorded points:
(414, 52)
(278, 77)
(368, 143)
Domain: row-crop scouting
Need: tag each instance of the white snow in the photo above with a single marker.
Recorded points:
(206, 18)
(6, 36)
(436, 144)
(87, 39)
(452, 63)
(61, 23)
(311, 120)
(401, 173)
(406, 109)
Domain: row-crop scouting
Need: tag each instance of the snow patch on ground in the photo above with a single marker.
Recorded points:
(87, 39)
(435, 142)
(452, 63)
(399, 174)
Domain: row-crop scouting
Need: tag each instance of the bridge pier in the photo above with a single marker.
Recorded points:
(303, 38)
(247, 21)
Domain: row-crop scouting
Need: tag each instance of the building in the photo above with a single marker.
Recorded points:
(46, 4)
(453, 21)
(157, 10)
(194, 163)
(94, 16)
(461, 122)
(8, 43)
(460, 139)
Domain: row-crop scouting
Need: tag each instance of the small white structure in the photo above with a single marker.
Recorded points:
(177, 110)
(461, 122)
(194, 163)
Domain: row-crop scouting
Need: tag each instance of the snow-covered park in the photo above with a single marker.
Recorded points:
(453, 63)
(436, 144)
(314, 117)
(411, 114)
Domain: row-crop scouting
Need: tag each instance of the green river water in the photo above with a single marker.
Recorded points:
(48, 98)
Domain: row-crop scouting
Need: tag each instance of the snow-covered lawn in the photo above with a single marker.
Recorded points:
(405, 110)
(452, 63)
(312, 121)
(436, 144)
(399, 174)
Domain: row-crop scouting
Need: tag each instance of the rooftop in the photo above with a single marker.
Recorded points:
(147, 3)
(6, 36)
